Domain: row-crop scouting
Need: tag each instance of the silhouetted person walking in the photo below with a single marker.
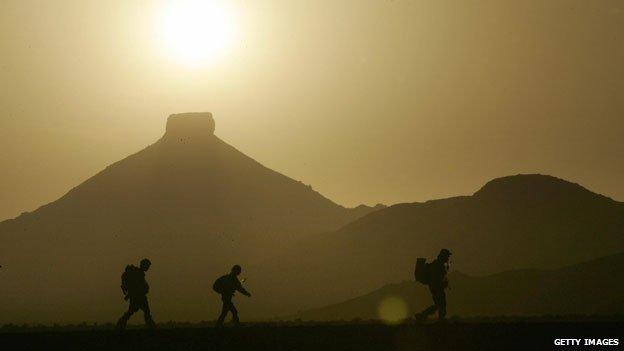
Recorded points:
(434, 275)
(227, 285)
(135, 289)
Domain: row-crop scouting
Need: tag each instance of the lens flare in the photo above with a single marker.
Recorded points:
(392, 310)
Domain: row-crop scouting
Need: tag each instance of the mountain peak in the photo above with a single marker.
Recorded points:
(190, 124)
(531, 186)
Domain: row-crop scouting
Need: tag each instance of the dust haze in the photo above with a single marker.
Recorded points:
(322, 172)
(368, 101)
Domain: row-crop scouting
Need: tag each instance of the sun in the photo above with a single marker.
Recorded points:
(195, 32)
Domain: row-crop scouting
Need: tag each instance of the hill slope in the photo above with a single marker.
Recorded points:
(523, 221)
(190, 202)
(589, 288)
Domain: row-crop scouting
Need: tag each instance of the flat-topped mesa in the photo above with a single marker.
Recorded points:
(190, 125)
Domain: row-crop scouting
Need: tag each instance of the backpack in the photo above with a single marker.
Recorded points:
(220, 284)
(125, 279)
(129, 279)
(421, 271)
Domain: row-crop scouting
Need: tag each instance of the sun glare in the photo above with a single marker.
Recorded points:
(196, 32)
(392, 310)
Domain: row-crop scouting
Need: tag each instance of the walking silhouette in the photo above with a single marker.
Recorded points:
(135, 288)
(433, 274)
(227, 285)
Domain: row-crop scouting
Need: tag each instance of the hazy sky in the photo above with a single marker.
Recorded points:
(367, 101)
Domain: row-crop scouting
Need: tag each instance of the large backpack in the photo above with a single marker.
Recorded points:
(220, 284)
(421, 271)
(129, 279)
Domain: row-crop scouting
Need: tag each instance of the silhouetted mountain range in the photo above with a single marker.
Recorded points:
(590, 288)
(192, 203)
(523, 221)
(195, 206)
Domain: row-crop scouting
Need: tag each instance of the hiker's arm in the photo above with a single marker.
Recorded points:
(242, 290)
(124, 288)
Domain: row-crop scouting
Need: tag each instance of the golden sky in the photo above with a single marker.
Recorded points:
(366, 100)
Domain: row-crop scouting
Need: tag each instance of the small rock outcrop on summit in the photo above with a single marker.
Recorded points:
(190, 202)
(191, 124)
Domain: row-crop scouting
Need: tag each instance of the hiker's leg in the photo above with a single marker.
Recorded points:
(434, 290)
(147, 315)
(123, 321)
(431, 309)
(440, 301)
(422, 316)
(224, 310)
(234, 313)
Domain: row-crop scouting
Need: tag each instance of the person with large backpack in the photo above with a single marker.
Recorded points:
(433, 274)
(226, 286)
(135, 289)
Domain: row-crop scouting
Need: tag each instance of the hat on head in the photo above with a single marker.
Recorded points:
(444, 253)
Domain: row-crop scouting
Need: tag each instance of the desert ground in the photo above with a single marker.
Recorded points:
(490, 334)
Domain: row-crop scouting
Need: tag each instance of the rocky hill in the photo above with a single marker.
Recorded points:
(190, 202)
(589, 288)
